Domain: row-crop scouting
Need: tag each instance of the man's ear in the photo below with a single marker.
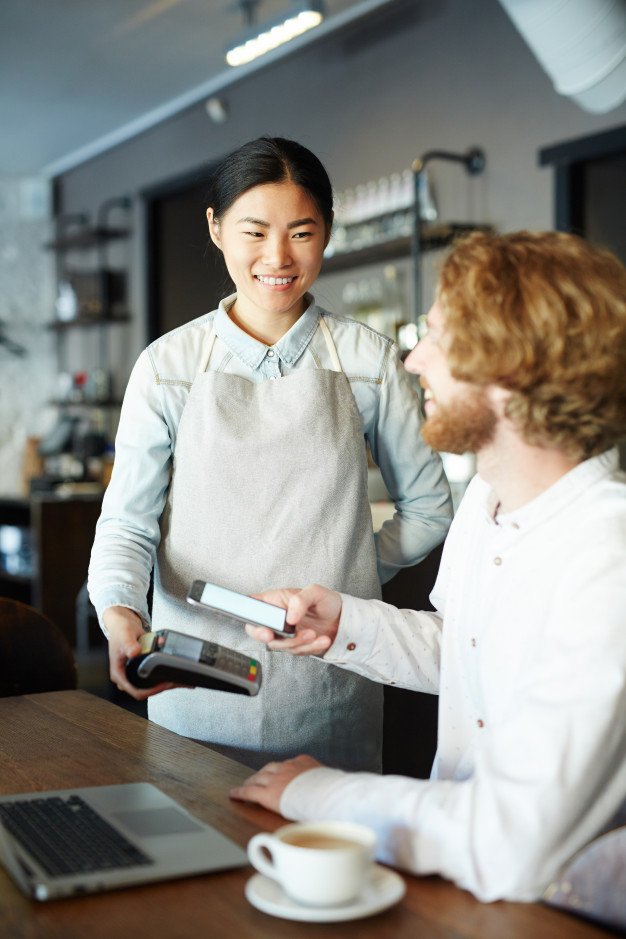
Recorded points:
(329, 231)
(214, 228)
(498, 398)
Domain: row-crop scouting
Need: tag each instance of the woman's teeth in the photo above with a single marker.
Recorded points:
(273, 281)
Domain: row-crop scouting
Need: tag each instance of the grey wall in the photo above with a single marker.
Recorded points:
(445, 74)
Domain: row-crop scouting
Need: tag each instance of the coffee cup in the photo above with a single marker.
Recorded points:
(316, 863)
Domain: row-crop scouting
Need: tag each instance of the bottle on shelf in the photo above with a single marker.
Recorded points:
(373, 213)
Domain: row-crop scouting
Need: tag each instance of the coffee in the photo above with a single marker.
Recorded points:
(316, 863)
(314, 839)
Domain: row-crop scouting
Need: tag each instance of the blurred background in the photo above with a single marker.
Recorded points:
(431, 116)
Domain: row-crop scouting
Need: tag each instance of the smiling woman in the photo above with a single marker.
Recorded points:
(241, 460)
(273, 239)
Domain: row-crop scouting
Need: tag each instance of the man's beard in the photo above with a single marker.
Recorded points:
(465, 426)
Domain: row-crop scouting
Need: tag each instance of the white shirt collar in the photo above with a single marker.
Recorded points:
(560, 494)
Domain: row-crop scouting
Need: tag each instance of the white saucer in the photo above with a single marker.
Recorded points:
(383, 890)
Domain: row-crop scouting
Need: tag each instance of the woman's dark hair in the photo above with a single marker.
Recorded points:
(270, 160)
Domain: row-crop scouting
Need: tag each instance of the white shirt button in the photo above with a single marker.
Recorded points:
(270, 352)
(272, 377)
(497, 561)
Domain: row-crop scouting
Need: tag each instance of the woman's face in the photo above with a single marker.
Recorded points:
(273, 238)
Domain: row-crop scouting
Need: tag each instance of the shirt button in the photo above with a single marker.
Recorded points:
(497, 561)
(480, 723)
(272, 377)
(473, 642)
(270, 352)
(351, 646)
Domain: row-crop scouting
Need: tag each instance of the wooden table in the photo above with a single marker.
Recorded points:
(71, 738)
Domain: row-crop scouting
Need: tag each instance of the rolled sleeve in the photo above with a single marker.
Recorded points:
(128, 533)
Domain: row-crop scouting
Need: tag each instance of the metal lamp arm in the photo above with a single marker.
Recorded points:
(474, 160)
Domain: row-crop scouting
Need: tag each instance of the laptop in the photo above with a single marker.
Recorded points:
(69, 842)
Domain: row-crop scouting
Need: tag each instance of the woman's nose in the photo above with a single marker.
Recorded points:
(277, 252)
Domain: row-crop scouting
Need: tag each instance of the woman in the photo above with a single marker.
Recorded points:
(241, 460)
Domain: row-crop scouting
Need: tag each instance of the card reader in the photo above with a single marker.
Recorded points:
(170, 656)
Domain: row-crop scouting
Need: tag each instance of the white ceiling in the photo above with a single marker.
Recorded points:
(79, 75)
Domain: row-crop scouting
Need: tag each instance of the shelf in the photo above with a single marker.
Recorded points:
(16, 590)
(88, 404)
(373, 254)
(85, 320)
(87, 238)
(434, 237)
(20, 579)
(14, 512)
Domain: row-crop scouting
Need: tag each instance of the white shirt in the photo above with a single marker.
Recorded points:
(527, 651)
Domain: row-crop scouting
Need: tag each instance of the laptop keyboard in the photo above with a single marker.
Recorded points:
(66, 836)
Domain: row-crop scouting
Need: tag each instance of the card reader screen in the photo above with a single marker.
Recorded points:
(186, 646)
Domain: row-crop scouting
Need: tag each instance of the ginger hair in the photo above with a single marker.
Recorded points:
(542, 315)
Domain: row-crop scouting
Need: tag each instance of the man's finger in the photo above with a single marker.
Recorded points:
(309, 644)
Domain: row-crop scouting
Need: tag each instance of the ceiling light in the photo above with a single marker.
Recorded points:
(217, 109)
(299, 18)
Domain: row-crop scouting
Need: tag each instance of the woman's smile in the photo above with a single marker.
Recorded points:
(275, 282)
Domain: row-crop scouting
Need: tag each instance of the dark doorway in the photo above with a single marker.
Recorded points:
(186, 274)
(590, 192)
(590, 187)
(604, 205)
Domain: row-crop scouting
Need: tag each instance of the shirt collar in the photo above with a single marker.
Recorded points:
(252, 352)
(559, 495)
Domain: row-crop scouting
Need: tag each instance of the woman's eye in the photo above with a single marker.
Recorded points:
(303, 234)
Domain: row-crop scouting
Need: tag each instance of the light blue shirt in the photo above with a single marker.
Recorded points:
(128, 534)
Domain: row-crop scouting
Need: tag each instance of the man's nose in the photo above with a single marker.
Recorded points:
(414, 361)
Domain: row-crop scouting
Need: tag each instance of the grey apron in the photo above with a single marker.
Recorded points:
(269, 489)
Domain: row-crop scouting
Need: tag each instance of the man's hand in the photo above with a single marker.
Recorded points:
(124, 629)
(267, 786)
(314, 611)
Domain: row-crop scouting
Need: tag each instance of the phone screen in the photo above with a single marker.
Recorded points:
(245, 608)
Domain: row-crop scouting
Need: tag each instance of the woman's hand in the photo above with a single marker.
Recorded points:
(314, 611)
(124, 628)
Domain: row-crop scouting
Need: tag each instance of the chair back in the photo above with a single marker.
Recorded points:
(35, 656)
(593, 883)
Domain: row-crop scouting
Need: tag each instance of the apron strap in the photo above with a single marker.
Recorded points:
(332, 348)
(209, 349)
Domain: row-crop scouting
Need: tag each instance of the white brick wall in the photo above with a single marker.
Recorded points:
(26, 305)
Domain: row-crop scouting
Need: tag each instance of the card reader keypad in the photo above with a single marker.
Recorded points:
(227, 660)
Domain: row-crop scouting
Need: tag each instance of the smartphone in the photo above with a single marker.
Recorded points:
(170, 656)
(240, 607)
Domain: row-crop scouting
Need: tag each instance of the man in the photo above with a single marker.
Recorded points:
(524, 364)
